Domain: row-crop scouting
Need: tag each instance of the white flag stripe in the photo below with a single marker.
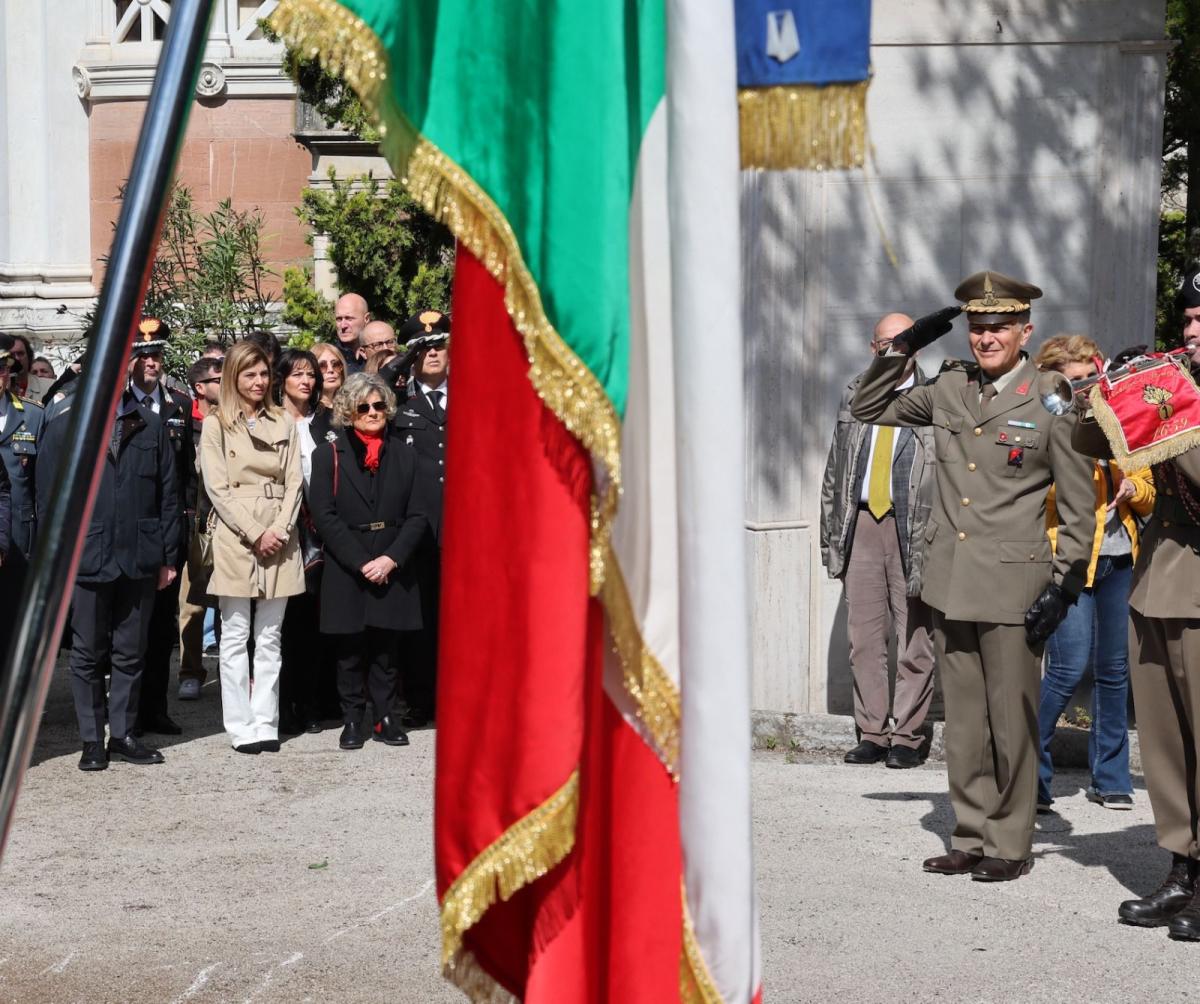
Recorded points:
(715, 811)
(644, 536)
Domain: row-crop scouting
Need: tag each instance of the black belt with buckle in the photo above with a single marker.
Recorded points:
(382, 524)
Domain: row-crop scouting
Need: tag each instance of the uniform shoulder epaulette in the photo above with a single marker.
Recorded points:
(959, 365)
(29, 400)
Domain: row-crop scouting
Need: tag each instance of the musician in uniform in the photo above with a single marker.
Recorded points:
(1164, 656)
(996, 590)
(174, 412)
(421, 420)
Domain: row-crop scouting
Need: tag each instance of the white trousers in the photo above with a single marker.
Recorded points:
(250, 710)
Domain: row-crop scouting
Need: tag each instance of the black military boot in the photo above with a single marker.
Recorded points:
(1185, 925)
(1177, 891)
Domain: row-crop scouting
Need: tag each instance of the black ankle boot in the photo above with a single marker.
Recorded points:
(1169, 899)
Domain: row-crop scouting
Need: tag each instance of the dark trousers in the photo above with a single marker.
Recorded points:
(163, 637)
(370, 658)
(304, 663)
(109, 625)
(420, 671)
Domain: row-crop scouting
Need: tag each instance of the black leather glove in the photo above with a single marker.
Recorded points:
(396, 372)
(1046, 614)
(925, 330)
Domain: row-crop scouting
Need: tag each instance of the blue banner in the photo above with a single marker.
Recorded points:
(784, 42)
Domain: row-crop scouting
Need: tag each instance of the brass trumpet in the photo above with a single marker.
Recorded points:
(1060, 395)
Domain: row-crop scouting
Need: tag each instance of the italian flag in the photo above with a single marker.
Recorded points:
(592, 822)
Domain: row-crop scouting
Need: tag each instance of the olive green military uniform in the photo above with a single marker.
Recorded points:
(987, 558)
(1164, 645)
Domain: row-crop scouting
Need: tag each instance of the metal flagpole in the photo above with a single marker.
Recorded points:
(39, 620)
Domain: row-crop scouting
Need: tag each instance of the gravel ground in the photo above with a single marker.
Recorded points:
(307, 875)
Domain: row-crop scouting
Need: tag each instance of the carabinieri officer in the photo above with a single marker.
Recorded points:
(996, 590)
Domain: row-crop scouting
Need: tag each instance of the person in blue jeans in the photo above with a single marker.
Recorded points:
(1095, 632)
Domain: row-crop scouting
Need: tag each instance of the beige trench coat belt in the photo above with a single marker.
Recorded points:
(267, 490)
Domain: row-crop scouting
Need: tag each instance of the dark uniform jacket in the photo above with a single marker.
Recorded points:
(393, 500)
(20, 443)
(422, 430)
(134, 529)
(5, 512)
(987, 556)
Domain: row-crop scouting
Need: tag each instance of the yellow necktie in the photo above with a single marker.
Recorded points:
(879, 487)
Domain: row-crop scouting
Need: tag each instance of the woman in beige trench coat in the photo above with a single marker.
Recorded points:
(250, 460)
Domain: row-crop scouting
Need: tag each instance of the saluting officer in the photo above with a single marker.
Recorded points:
(21, 424)
(1164, 656)
(422, 422)
(174, 412)
(996, 590)
(131, 548)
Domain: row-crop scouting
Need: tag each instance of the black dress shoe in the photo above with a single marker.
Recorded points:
(866, 752)
(1168, 900)
(902, 758)
(268, 745)
(352, 736)
(388, 730)
(313, 726)
(253, 749)
(132, 750)
(162, 725)
(290, 725)
(1001, 869)
(954, 862)
(94, 757)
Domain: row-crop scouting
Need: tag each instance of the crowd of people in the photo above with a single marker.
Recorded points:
(995, 538)
(280, 508)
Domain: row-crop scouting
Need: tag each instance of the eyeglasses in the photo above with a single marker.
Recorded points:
(380, 345)
(332, 365)
(215, 379)
(377, 406)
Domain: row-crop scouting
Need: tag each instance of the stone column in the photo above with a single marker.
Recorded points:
(44, 209)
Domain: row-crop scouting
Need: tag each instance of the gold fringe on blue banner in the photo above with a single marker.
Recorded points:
(806, 126)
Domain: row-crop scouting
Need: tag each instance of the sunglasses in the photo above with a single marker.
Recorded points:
(372, 406)
(215, 379)
(332, 366)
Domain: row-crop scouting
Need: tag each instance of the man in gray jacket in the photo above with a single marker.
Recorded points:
(875, 501)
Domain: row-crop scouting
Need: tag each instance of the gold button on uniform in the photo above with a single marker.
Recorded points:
(961, 535)
(1033, 557)
(1166, 522)
(1016, 439)
(966, 501)
(978, 431)
(970, 467)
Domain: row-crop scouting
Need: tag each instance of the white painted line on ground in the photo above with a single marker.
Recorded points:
(382, 913)
(197, 983)
(60, 966)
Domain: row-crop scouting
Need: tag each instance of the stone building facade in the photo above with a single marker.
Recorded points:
(76, 74)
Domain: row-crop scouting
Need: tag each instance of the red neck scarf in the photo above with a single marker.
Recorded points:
(373, 441)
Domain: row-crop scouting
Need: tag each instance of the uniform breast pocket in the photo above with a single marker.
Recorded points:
(24, 448)
(947, 427)
(1026, 564)
(143, 459)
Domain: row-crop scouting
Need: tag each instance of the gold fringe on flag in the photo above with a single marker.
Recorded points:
(1146, 456)
(654, 693)
(523, 853)
(465, 972)
(808, 126)
(696, 985)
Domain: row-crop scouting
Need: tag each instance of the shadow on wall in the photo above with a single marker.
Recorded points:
(1039, 160)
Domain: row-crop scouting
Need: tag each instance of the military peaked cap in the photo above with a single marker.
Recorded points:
(429, 327)
(995, 293)
(1189, 292)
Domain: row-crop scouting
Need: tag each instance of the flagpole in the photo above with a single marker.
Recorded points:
(43, 608)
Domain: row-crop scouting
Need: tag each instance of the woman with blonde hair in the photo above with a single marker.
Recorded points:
(250, 461)
(1096, 629)
(332, 366)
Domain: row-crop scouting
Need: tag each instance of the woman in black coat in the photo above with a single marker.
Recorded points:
(367, 504)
